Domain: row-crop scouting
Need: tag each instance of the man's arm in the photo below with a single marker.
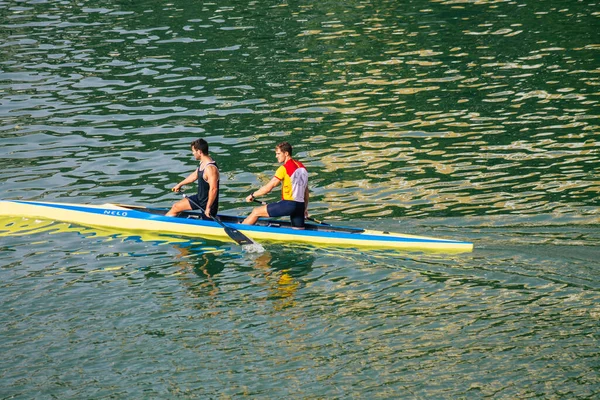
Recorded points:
(193, 177)
(212, 177)
(264, 189)
(306, 196)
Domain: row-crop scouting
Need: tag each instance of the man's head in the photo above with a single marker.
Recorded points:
(282, 151)
(200, 145)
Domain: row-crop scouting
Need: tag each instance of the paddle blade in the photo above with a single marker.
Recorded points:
(238, 236)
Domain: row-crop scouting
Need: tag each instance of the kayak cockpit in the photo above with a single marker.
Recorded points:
(265, 222)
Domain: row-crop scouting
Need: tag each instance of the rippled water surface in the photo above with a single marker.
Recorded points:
(472, 120)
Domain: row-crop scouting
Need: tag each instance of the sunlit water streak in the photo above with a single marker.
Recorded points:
(472, 120)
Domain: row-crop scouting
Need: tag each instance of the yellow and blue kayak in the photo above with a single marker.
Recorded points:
(135, 218)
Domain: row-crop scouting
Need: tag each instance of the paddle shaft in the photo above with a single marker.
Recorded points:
(233, 233)
(202, 209)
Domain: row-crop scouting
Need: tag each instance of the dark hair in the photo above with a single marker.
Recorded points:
(200, 144)
(285, 147)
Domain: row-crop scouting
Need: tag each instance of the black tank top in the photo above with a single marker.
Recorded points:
(203, 188)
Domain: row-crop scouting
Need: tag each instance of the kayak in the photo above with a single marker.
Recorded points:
(137, 218)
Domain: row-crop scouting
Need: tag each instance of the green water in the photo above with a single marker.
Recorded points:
(468, 120)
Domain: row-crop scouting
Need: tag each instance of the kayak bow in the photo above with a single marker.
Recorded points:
(136, 218)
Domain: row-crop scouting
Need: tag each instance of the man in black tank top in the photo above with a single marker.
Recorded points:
(207, 175)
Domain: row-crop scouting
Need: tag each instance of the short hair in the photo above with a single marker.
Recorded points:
(200, 144)
(285, 147)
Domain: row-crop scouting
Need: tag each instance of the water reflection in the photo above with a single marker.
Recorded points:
(271, 276)
(281, 278)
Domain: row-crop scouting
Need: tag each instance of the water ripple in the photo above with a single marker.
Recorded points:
(455, 118)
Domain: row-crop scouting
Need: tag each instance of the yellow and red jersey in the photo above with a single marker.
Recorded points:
(294, 179)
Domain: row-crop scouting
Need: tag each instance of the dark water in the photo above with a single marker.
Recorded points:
(471, 120)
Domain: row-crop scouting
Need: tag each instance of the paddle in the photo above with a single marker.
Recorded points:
(308, 218)
(233, 233)
(317, 221)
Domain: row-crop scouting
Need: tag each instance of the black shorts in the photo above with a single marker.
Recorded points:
(294, 209)
(194, 203)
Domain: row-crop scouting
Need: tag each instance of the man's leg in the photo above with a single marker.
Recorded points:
(255, 215)
(181, 205)
(297, 217)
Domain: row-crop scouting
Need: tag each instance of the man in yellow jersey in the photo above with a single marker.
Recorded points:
(294, 192)
(207, 175)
